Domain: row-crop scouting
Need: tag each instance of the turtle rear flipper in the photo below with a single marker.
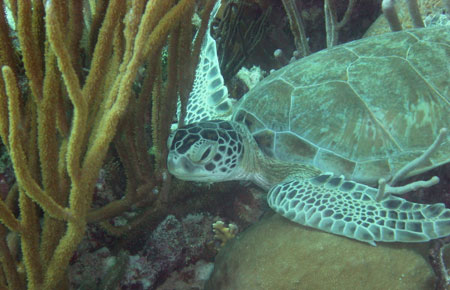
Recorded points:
(350, 209)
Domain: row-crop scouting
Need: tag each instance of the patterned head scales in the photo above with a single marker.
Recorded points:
(205, 151)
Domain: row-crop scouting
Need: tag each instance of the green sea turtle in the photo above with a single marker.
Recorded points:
(320, 132)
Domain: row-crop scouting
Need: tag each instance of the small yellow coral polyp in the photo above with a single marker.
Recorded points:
(223, 233)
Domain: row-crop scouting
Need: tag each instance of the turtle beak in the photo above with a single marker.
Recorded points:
(171, 164)
(173, 161)
(179, 165)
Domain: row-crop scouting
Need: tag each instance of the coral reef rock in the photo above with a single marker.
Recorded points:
(278, 254)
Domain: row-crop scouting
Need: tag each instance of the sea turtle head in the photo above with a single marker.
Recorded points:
(207, 151)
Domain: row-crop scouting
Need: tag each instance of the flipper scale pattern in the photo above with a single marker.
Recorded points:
(350, 209)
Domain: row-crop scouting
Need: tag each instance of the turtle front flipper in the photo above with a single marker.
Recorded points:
(208, 99)
(350, 209)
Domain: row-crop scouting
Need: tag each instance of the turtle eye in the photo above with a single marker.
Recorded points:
(201, 155)
(205, 154)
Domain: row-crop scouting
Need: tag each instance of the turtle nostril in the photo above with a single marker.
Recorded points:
(172, 161)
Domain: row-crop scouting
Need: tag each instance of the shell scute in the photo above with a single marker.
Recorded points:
(363, 109)
(314, 72)
(274, 101)
(295, 148)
